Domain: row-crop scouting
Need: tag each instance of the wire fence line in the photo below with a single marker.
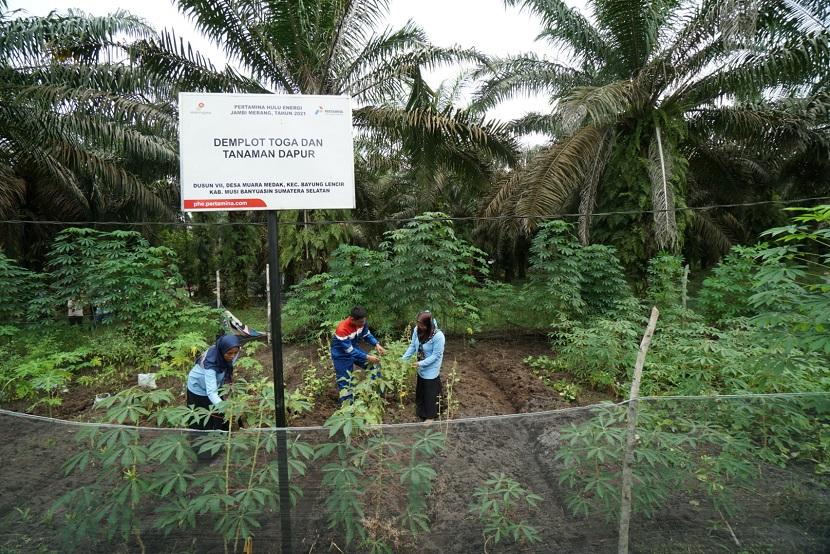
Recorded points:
(410, 219)
(822, 395)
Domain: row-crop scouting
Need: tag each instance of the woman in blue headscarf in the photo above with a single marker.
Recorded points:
(427, 349)
(214, 369)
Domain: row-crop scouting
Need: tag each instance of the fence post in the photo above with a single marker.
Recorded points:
(218, 290)
(628, 458)
(685, 286)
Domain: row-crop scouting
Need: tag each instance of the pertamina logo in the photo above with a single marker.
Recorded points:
(200, 108)
(323, 110)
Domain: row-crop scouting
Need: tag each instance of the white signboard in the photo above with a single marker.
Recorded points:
(265, 152)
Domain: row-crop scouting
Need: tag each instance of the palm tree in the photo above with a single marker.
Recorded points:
(331, 47)
(421, 174)
(78, 137)
(660, 105)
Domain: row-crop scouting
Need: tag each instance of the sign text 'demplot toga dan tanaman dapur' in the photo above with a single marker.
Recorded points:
(265, 152)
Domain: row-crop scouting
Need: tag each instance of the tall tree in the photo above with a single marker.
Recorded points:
(78, 137)
(660, 105)
(331, 47)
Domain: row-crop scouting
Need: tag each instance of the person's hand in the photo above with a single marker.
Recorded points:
(381, 350)
(373, 359)
(415, 364)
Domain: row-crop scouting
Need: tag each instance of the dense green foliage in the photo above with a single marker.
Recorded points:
(134, 473)
(17, 287)
(662, 105)
(657, 106)
(130, 295)
(770, 304)
(423, 265)
(566, 281)
(757, 326)
(79, 138)
(120, 274)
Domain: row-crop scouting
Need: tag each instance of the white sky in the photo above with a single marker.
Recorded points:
(484, 24)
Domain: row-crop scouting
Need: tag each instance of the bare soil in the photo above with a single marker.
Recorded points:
(492, 380)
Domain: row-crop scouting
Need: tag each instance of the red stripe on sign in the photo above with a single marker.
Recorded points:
(219, 204)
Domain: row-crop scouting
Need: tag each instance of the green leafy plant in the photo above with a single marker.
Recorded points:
(726, 291)
(392, 283)
(313, 385)
(498, 504)
(297, 403)
(677, 446)
(122, 274)
(568, 391)
(13, 279)
(450, 403)
(398, 375)
(792, 295)
(600, 351)
(136, 472)
(568, 281)
(176, 356)
(543, 367)
(378, 484)
(664, 280)
(43, 372)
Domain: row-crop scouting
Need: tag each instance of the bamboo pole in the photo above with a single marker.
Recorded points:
(685, 286)
(630, 435)
(218, 290)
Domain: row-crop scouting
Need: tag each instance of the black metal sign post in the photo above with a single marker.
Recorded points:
(279, 385)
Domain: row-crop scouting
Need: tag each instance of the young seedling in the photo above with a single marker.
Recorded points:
(498, 504)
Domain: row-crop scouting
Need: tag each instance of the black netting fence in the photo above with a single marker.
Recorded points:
(720, 474)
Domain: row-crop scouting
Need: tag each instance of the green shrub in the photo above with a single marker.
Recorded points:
(568, 281)
(665, 272)
(680, 447)
(362, 464)
(792, 294)
(424, 265)
(17, 286)
(498, 505)
(133, 473)
(120, 273)
(726, 291)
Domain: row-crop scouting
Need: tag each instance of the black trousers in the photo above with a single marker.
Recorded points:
(215, 422)
(427, 393)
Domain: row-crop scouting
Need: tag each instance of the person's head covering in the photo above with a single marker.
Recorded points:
(432, 326)
(215, 356)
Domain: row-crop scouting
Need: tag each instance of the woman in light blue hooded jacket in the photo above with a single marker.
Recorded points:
(428, 345)
(211, 371)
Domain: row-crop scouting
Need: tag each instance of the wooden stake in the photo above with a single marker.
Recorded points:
(685, 286)
(630, 435)
(218, 290)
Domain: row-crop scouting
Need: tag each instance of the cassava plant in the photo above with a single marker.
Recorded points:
(378, 482)
(499, 504)
(139, 473)
(391, 282)
(680, 447)
(120, 273)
